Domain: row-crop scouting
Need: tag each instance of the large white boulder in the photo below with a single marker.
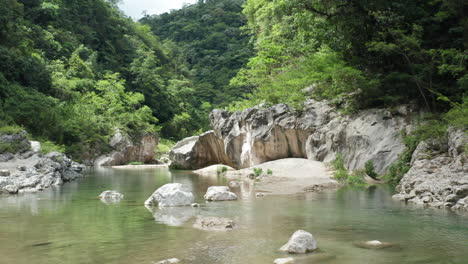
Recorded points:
(300, 242)
(219, 193)
(171, 194)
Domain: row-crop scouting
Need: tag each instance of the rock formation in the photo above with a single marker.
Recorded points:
(318, 132)
(127, 149)
(438, 174)
(24, 169)
(198, 152)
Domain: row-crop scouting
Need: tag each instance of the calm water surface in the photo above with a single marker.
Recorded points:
(68, 224)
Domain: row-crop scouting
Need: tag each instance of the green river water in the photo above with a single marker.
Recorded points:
(69, 224)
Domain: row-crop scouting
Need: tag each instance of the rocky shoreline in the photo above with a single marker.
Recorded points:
(439, 173)
(439, 170)
(30, 171)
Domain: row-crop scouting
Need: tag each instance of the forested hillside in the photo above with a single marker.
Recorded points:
(383, 52)
(73, 71)
(209, 38)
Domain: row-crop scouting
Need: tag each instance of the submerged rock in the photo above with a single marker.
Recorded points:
(214, 223)
(168, 261)
(111, 196)
(171, 194)
(171, 216)
(283, 261)
(219, 193)
(300, 242)
(373, 244)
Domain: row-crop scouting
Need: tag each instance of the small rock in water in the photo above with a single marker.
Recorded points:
(168, 261)
(219, 193)
(300, 242)
(4, 173)
(195, 205)
(284, 261)
(260, 194)
(214, 223)
(110, 196)
(373, 244)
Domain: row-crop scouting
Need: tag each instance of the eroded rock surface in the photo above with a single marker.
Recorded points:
(171, 194)
(199, 152)
(127, 149)
(318, 132)
(439, 173)
(38, 172)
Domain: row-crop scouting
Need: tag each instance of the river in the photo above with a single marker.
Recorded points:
(69, 224)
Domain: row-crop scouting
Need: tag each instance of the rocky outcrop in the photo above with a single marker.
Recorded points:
(171, 194)
(300, 242)
(126, 149)
(439, 173)
(318, 132)
(198, 152)
(38, 172)
(219, 193)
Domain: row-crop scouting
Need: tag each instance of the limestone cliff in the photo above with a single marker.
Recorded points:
(318, 132)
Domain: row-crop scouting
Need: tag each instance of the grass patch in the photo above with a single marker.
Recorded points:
(135, 163)
(257, 171)
(269, 172)
(163, 148)
(221, 170)
(10, 129)
(49, 146)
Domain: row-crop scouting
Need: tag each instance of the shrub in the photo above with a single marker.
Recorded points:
(257, 171)
(356, 179)
(370, 170)
(341, 175)
(164, 147)
(221, 170)
(10, 129)
(49, 146)
(338, 163)
(269, 172)
(224, 169)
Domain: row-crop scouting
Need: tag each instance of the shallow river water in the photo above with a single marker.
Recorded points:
(69, 224)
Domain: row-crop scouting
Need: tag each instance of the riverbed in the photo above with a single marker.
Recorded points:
(69, 224)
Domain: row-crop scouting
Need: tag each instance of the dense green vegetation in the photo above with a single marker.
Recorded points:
(74, 71)
(380, 52)
(210, 46)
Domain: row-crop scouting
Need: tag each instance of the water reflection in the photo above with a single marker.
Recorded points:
(172, 216)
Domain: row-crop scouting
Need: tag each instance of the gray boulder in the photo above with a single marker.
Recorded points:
(219, 193)
(171, 194)
(299, 243)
